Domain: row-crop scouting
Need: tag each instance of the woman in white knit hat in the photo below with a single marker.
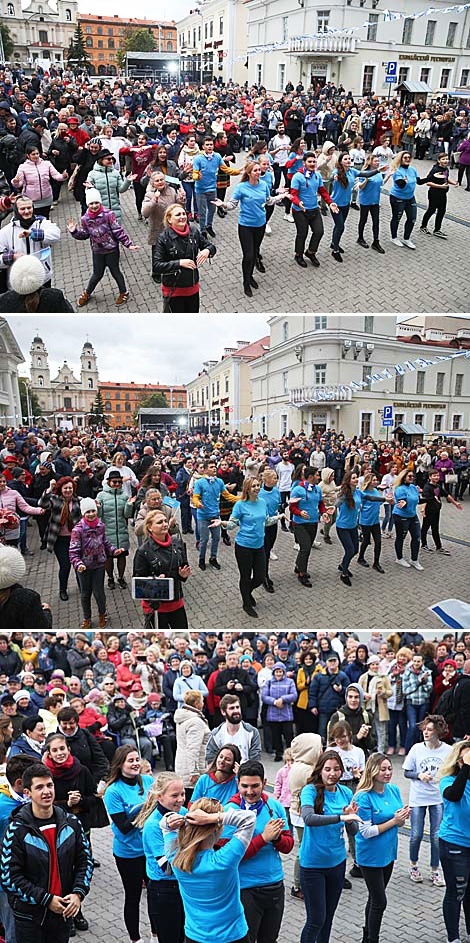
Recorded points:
(89, 550)
(27, 292)
(20, 608)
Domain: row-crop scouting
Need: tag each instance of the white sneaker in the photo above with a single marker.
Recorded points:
(268, 231)
(415, 875)
(437, 879)
(272, 555)
(288, 218)
(416, 564)
(403, 562)
(316, 544)
(296, 547)
(409, 244)
(396, 242)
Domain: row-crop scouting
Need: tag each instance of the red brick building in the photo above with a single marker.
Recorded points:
(104, 36)
(122, 400)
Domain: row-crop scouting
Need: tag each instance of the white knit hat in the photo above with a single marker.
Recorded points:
(27, 275)
(87, 504)
(21, 694)
(92, 195)
(12, 567)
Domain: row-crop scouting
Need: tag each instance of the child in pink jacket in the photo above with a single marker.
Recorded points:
(281, 785)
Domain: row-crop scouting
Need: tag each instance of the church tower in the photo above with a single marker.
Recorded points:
(89, 370)
(40, 371)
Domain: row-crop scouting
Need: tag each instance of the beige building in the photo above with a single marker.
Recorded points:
(66, 401)
(41, 32)
(10, 358)
(220, 396)
(302, 379)
(212, 41)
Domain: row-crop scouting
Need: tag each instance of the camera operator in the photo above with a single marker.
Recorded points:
(163, 556)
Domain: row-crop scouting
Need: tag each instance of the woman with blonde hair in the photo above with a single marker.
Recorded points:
(159, 195)
(179, 252)
(402, 197)
(209, 880)
(454, 837)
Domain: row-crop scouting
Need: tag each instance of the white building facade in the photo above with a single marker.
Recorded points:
(41, 31)
(212, 42)
(65, 400)
(433, 49)
(302, 381)
(10, 358)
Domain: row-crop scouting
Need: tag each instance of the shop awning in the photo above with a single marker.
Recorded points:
(410, 428)
(414, 87)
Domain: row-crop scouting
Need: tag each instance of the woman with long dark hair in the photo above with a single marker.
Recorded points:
(349, 503)
(369, 203)
(343, 178)
(64, 506)
(124, 797)
(220, 780)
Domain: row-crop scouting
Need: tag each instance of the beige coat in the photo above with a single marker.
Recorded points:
(192, 734)
(306, 749)
(155, 212)
(380, 690)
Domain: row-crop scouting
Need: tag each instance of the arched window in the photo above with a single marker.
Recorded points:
(41, 382)
(39, 361)
(285, 330)
(89, 41)
(89, 364)
(68, 15)
(10, 9)
(90, 384)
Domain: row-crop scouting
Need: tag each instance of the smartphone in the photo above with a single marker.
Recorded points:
(153, 589)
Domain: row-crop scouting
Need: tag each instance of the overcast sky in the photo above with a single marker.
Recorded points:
(138, 347)
(174, 10)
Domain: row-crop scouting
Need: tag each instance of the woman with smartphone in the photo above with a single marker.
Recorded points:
(163, 556)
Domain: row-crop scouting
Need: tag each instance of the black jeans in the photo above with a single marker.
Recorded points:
(455, 862)
(91, 582)
(270, 534)
(281, 729)
(53, 929)
(185, 513)
(278, 173)
(184, 304)
(305, 220)
(403, 526)
(339, 220)
(368, 531)
(176, 620)
(409, 208)
(322, 890)
(462, 168)
(252, 568)
(139, 193)
(101, 262)
(304, 535)
(376, 882)
(165, 909)
(264, 908)
(431, 521)
(350, 540)
(250, 238)
(133, 873)
(364, 211)
(437, 203)
(61, 550)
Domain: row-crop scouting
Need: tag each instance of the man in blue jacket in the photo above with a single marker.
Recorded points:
(327, 692)
(11, 799)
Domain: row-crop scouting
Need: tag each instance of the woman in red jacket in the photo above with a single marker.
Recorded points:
(140, 156)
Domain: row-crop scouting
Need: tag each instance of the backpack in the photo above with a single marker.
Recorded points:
(446, 705)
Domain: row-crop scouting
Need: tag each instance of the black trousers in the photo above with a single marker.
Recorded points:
(54, 929)
(176, 620)
(437, 203)
(101, 262)
(165, 909)
(376, 882)
(270, 534)
(339, 220)
(279, 730)
(431, 522)
(252, 568)
(133, 873)
(250, 238)
(304, 535)
(305, 220)
(184, 304)
(368, 531)
(461, 170)
(264, 909)
(364, 211)
(278, 173)
(61, 551)
(139, 193)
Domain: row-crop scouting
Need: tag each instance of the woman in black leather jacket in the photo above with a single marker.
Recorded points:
(180, 250)
(163, 555)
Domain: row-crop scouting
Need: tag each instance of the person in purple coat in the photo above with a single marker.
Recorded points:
(280, 694)
(88, 552)
(101, 227)
(464, 162)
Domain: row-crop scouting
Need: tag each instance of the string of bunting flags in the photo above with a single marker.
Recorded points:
(388, 16)
(346, 389)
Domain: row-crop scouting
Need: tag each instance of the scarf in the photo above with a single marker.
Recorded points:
(66, 515)
(94, 213)
(163, 543)
(257, 807)
(92, 523)
(37, 747)
(181, 232)
(67, 771)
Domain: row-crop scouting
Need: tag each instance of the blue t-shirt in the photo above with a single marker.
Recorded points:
(310, 497)
(376, 807)
(252, 517)
(323, 846)
(124, 797)
(307, 189)
(455, 825)
(410, 494)
(154, 847)
(411, 176)
(207, 786)
(370, 194)
(370, 510)
(297, 165)
(268, 177)
(272, 499)
(342, 195)
(347, 517)
(209, 168)
(209, 492)
(252, 199)
(266, 866)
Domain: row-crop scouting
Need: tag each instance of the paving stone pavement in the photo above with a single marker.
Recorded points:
(427, 280)
(414, 911)
(398, 599)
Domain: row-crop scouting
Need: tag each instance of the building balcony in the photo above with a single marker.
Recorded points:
(433, 336)
(329, 44)
(312, 395)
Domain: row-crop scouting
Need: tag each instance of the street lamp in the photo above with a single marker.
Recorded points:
(209, 397)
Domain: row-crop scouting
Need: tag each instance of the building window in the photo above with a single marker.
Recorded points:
(41, 382)
(403, 74)
(464, 77)
(323, 19)
(366, 423)
(399, 382)
(259, 73)
(107, 407)
(100, 44)
(227, 384)
(283, 424)
(285, 381)
(263, 425)
(100, 30)
(285, 330)
(169, 47)
(110, 43)
(206, 31)
(68, 16)
(197, 397)
(425, 75)
(127, 407)
(458, 384)
(369, 324)
(10, 9)
(107, 395)
(217, 389)
(169, 36)
(366, 374)
(440, 384)
(221, 26)
(320, 374)
(399, 419)
(438, 422)
(281, 75)
(430, 31)
(420, 381)
(285, 28)
(43, 36)
(419, 419)
(368, 79)
(372, 27)
(88, 30)
(118, 407)
(90, 383)
(445, 78)
(211, 29)
(451, 33)
(467, 44)
(39, 361)
(117, 395)
(407, 30)
(110, 31)
(111, 56)
(321, 323)
(199, 33)
(89, 42)
(67, 402)
(457, 421)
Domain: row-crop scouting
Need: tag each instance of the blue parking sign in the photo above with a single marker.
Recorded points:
(392, 68)
(388, 412)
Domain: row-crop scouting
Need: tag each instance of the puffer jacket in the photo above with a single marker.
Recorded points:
(171, 247)
(306, 750)
(155, 211)
(103, 230)
(89, 546)
(11, 500)
(328, 489)
(192, 734)
(272, 690)
(109, 183)
(326, 165)
(115, 510)
(33, 178)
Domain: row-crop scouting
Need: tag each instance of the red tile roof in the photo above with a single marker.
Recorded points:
(256, 349)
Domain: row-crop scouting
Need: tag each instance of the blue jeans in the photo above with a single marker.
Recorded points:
(206, 532)
(23, 533)
(339, 220)
(414, 716)
(409, 208)
(455, 861)
(206, 208)
(418, 815)
(196, 524)
(396, 717)
(404, 526)
(388, 519)
(188, 187)
(322, 890)
(350, 541)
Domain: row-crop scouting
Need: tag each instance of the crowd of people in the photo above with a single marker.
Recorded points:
(328, 148)
(160, 735)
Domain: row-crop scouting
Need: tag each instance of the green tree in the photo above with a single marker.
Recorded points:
(34, 404)
(78, 56)
(97, 415)
(135, 40)
(152, 401)
(7, 40)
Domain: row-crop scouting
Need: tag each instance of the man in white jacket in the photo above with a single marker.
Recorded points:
(28, 234)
